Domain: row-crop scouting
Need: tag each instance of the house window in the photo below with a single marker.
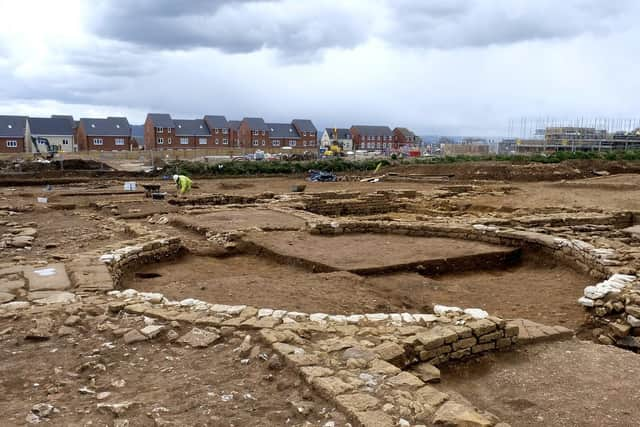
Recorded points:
(292, 143)
(255, 132)
(304, 133)
(217, 141)
(225, 141)
(65, 141)
(119, 141)
(202, 141)
(159, 130)
(12, 144)
(262, 132)
(275, 143)
(168, 140)
(160, 141)
(168, 130)
(255, 142)
(217, 130)
(225, 131)
(97, 141)
(264, 142)
(184, 141)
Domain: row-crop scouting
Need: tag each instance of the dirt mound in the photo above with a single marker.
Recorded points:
(35, 166)
(522, 172)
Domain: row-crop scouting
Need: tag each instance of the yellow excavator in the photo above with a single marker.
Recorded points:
(335, 150)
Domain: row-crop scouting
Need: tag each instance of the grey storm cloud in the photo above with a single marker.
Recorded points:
(450, 24)
(299, 29)
(296, 28)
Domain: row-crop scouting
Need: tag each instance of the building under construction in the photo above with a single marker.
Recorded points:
(551, 135)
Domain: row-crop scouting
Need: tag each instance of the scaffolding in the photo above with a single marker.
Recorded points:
(580, 134)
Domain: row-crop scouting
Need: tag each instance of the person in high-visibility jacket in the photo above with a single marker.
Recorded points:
(183, 183)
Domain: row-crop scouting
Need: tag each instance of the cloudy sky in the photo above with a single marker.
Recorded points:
(461, 67)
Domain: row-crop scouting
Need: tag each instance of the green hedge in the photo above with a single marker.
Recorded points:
(342, 165)
(269, 168)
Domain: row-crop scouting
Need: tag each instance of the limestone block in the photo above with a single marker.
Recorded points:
(478, 348)
(482, 327)
(493, 336)
(405, 379)
(352, 403)
(464, 343)
(374, 419)
(330, 387)
(430, 396)
(391, 352)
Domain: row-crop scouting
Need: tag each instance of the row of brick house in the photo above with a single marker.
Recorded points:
(370, 138)
(214, 132)
(162, 132)
(67, 134)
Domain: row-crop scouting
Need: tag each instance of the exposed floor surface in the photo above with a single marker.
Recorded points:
(537, 289)
(570, 383)
(241, 219)
(354, 252)
(543, 292)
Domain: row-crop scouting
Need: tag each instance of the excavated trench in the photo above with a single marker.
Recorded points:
(374, 273)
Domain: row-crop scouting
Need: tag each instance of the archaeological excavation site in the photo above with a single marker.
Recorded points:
(483, 296)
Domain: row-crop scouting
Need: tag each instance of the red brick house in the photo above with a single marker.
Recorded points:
(110, 134)
(12, 134)
(191, 134)
(253, 133)
(159, 132)
(283, 135)
(404, 137)
(307, 131)
(372, 138)
(220, 131)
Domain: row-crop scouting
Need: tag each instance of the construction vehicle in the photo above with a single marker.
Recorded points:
(51, 149)
(335, 150)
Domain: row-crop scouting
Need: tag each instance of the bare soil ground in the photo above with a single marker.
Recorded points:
(346, 252)
(64, 232)
(565, 384)
(246, 218)
(166, 384)
(542, 291)
(571, 383)
(539, 290)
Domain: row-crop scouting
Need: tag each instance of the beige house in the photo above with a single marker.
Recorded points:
(342, 136)
(57, 130)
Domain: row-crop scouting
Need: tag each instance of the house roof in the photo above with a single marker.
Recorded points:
(196, 127)
(43, 126)
(282, 130)
(406, 132)
(74, 123)
(234, 124)
(12, 126)
(304, 125)
(161, 120)
(255, 123)
(111, 126)
(373, 130)
(216, 122)
(342, 133)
